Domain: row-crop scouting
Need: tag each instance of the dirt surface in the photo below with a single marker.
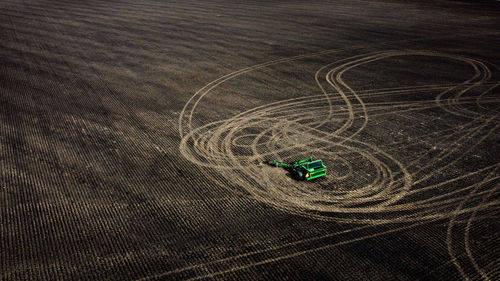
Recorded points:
(134, 137)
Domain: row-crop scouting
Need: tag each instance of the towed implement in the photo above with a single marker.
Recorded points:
(305, 169)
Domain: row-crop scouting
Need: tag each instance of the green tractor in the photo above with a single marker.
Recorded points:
(305, 169)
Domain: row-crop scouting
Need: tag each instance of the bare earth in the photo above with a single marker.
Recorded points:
(134, 137)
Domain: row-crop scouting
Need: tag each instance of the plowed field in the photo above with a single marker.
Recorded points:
(135, 138)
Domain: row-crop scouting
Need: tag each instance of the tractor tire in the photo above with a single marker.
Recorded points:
(300, 175)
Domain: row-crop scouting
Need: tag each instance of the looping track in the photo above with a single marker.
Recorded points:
(366, 183)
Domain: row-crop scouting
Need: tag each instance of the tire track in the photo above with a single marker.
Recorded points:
(233, 148)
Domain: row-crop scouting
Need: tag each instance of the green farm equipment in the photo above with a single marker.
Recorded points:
(305, 169)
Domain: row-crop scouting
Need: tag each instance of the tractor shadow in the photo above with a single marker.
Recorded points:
(289, 171)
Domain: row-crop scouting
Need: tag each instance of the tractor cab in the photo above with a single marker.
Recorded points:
(315, 169)
(314, 165)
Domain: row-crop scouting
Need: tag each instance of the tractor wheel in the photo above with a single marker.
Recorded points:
(300, 174)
